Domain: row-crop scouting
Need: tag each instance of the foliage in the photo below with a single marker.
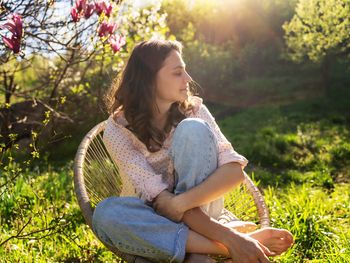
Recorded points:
(301, 142)
(241, 22)
(318, 28)
(234, 50)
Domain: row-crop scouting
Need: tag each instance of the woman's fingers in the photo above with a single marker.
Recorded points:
(163, 206)
(248, 250)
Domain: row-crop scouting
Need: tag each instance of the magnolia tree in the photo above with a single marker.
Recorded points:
(61, 43)
(55, 58)
(46, 28)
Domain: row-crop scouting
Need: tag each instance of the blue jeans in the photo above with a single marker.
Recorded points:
(135, 228)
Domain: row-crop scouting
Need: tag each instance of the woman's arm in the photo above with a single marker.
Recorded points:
(224, 178)
(218, 183)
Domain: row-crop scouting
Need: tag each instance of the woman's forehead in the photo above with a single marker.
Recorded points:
(173, 61)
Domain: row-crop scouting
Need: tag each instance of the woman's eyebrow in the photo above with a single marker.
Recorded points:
(180, 66)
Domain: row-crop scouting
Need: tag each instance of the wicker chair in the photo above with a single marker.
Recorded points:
(96, 177)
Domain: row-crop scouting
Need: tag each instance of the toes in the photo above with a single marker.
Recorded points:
(287, 237)
(282, 241)
(282, 233)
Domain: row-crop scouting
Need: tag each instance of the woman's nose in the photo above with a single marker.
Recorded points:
(188, 77)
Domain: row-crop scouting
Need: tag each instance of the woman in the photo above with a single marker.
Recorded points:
(166, 142)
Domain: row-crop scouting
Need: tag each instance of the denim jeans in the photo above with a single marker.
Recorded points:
(135, 228)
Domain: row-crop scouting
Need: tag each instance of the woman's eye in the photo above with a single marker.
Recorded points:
(178, 73)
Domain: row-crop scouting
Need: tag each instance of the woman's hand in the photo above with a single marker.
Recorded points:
(244, 249)
(165, 205)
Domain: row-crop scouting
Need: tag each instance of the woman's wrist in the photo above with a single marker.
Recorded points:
(179, 201)
(229, 238)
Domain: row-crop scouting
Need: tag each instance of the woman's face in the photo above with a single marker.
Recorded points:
(172, 80)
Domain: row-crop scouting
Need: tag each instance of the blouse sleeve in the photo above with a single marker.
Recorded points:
(132, 162)
(226, 152)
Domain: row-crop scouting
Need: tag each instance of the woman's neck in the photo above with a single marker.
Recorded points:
(160, 116)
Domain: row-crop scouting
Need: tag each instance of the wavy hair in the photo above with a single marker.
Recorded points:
(134, 92)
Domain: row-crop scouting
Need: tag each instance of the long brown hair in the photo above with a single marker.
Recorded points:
(134, 92)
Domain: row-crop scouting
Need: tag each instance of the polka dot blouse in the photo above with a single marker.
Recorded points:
(145, 174)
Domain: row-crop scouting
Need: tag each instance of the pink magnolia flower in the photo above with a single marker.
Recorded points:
(108, 9)
(106, 28)
(80, 5)
(89, 10)
(82, 8)
(13, 43)
(75, 15)
(116, 42)
(15, 25)
(102, 6)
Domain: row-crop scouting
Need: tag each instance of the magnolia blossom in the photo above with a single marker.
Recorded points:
(116, 42)
(75, 15)
(102, 6)
(106, 28)
(90, 8)
(82, 8)
(15, 25)
(80, 5)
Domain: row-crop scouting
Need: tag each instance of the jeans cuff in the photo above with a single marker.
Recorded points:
(180, 244)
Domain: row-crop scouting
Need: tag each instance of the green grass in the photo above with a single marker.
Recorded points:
(55, 230)
(318, 219)
(309, 138)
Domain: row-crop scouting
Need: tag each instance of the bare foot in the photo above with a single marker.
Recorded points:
(198, 258)
(242, 226)
(275, 239)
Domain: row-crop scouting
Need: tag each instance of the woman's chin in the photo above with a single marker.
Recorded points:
(185, 95)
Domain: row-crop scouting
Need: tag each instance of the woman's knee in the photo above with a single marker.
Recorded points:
(193, 128)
